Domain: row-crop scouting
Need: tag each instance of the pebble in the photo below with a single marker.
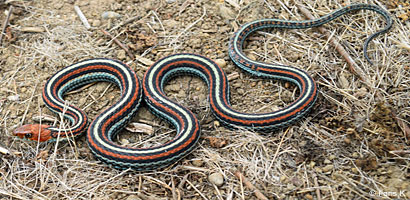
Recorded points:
(96, 23)
(283, 178)
(251, 56)
(312, 164)
(13, 97)
(327, 168)
(221, 62)
(110, 15)
(198, 163)
(121, 55)
(327, 161)
(309, 197)
(216, 178)
(332, 157)
(355, 170)
(217, 123)
(170, 1)
(124, 142)
(355, 155)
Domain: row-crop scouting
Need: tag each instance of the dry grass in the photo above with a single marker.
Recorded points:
(347, 147)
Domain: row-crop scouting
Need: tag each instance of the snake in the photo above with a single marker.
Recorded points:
(111, 121)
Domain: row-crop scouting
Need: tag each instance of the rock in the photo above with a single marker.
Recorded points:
(121, 55)
(216, 178)
(13, 97)
(221, 62)
(110, 15)
(96, 23)
(327, 168)
(198, 163)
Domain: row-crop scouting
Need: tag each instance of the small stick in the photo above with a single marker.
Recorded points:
(4, 151)
(6, 22)
(249, 185)
(317, 187)
(82, 17)
(119, 44)
(352, 64)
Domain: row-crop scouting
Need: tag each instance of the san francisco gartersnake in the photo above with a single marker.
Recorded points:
(112, 120)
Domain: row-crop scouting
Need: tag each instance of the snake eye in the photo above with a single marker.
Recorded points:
(28, 135)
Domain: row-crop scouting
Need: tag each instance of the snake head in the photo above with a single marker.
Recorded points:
(36, 132)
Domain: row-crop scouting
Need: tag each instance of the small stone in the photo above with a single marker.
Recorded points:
(124, 142)
(110, 15)
(251, 56)
(217, 123)
(198, 163)
(355, 155)
(221, 62)
(309, 197)
(283, 178)
(241, 91)
(332, 157)
(216, 178)
(327, 168)
(327, 161)
(170, 1)
(121, 55)
(350, 131)
(96, 23)
(13, 97)
(355, 170)
(312, 164)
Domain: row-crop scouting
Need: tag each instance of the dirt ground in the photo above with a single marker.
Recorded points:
(354, 144)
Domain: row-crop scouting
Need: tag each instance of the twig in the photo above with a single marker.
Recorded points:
(249, 185)
(6, 22)
(354, 68)
(119, 44)
(82, 17)
(4, 151)
(317, 187)
(196, 189)
(125, 22)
